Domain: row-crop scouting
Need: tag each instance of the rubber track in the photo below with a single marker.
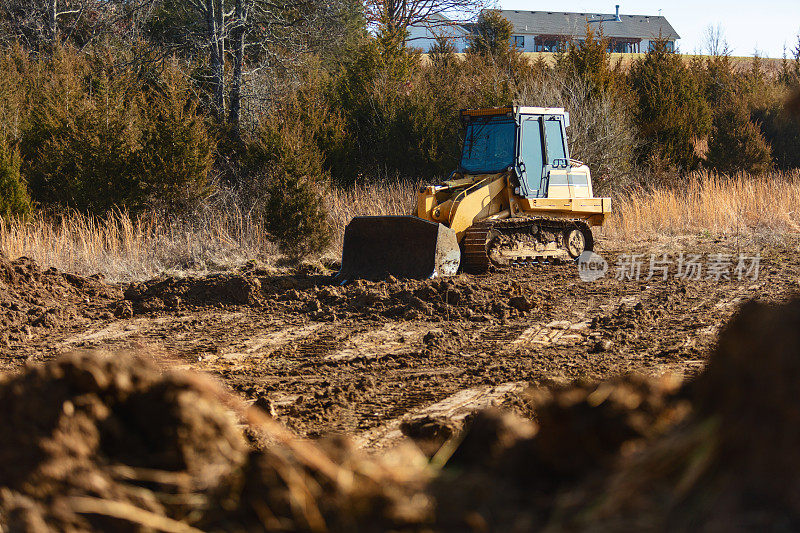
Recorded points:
(475, 246)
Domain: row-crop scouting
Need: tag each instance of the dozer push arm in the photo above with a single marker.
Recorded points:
(463, 207)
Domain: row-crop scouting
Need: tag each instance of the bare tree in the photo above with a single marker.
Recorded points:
(36, 23)
(242, 38)
(394, 17)
(601, 128)
(714, 41)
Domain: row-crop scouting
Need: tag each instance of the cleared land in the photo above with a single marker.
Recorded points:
(389, 388)
(358, 359)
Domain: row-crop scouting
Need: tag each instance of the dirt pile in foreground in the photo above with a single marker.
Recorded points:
(733, 466)
(717, 455)
(32, 298)
(107, 442)
(502, 478)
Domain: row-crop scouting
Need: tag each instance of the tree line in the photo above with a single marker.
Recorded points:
(164, 104)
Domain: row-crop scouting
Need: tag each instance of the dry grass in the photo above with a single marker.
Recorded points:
(743, 205)
(389, 198)
(768, 64)
(124, 248)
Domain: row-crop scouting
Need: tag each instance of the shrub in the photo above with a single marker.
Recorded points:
(443, 52)
(99, 138)
(403, 122)
(781, 131)
(369, 95)
(294, 214)
(670, 108)
(176, 149)
(14, 199)
(736, 144)
(285, 183)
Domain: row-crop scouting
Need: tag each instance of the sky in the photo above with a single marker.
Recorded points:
(763, 25)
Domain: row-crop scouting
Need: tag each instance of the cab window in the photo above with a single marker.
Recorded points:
(554, 139)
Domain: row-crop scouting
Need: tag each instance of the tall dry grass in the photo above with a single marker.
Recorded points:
(125, 248)
(396, 197)
(705, 203)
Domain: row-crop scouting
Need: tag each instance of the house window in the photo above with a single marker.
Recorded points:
(549, 44)
(519, 41)
(623, 47)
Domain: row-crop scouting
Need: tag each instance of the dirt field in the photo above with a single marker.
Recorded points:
(370, 359)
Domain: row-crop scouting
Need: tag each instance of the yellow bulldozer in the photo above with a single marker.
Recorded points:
(516, 197)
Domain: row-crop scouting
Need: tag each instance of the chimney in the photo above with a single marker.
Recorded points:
(616, 18)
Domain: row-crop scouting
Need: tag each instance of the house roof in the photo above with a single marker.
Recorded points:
(437, 21)
(574, 24)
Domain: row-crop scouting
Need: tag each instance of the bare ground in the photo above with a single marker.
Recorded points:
(369, 359)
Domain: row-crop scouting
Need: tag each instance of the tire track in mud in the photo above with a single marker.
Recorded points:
(403, 375)
(455, 408)
(356, 359)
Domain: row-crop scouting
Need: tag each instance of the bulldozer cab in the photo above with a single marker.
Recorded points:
(530, 140)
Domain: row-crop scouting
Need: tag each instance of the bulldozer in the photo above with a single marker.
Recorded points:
(516, 197)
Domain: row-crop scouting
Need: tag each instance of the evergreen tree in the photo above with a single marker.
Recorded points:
(589, 59)
(492, 35)
(671, 111)
(14, 199)
(736, 144)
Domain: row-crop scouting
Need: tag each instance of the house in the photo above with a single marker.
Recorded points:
(425, 35)
(549, 31)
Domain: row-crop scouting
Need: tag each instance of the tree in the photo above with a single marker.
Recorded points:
(670, 111)
(393, 17)
(736, 144)
(241, 38)
(714, 41)
(492, 35)
(590, 61)
(790, 68)
(719, 79)
(46, 24)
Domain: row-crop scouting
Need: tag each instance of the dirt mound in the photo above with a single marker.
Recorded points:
(461, 297)
(634, 454)
(506, 472)
(94, 426)
(96, 441)
(734, 465)
(247, 286)
(172, 293)
(586, 424)
(317, 296)
(33, 299)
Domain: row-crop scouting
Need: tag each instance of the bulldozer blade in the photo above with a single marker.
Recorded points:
(401, 246)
